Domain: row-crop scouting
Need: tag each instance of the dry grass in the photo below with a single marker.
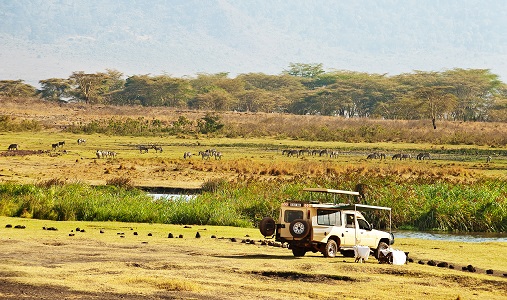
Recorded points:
(213, 268)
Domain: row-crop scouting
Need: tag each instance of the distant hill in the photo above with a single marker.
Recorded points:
(40, 39)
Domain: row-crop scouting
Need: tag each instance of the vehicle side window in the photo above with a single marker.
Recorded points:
(350, 220)
(291, 215)
(363, 224)
(328, 217)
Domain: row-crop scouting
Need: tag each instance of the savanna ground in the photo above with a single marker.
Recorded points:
(44, 264)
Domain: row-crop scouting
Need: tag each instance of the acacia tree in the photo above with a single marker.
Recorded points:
(54, 89)
(93, 87)
(16, 88)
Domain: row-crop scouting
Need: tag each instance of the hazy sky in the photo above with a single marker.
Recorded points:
(41, 39)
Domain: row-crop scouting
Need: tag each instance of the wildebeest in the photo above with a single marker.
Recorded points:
(61, 144)
(54, 146)
(81, 141)
(423, 155)
(13, 147)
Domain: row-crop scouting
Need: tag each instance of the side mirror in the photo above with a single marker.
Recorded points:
(370, 227)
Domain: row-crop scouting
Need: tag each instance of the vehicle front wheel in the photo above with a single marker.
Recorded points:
(298, 251)
(330, 249)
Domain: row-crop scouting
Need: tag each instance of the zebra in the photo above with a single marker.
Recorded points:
(205, 154)
(143, 149)
(81, 141)
(157, 148)
(423, 155)
(323, 152)
(99, 154)
(13, 147)
(187, 155)
(397, 156)
(372, 156)
(405, 156)
(315, 152)
(488, 159)
(218, 155)
(333, 154)
(293, 153)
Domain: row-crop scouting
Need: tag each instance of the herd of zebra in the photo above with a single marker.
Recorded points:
(400, 156)
(315, 152)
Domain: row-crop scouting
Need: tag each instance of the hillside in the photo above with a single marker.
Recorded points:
(44, 39)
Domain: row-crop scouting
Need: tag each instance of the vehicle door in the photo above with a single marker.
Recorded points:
(365, 237)
(349, 233)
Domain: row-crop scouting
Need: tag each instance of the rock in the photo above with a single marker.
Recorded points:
(8, 226)
(135, 233)
(78, 229)
(149, 234)
(82, 230)
(451, 266)
(421, 262)
(443, 264)
(180, 236)
(213, 236)
(102, 231)
(186, 226)
(432, 263)
(489, 271)
(72, 234)
(20, 226)
(471, 268)
(233, 240)
(197, 235)
(170, 236)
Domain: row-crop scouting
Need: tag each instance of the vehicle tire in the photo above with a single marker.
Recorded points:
(330, 249)
(298, 251)
(267, 226)
(381, 246)
(299, 228)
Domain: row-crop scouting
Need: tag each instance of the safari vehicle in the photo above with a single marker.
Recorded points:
(326, 227)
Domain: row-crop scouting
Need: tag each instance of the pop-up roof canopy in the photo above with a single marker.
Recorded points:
(330, 191)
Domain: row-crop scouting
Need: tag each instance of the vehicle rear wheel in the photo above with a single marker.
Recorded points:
(381, 246)
(267, 226)
(299, 228)
(298, 251)
(330, 249)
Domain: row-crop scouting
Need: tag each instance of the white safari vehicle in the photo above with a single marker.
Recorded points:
(326, 227)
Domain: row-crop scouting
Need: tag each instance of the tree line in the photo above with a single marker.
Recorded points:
(304, 89)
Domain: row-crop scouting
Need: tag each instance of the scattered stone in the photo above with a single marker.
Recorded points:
(489, 271)
(432, 263)
(252, 242)
(263, 243)
(102, 231)
(421, 262)
(243, 241)
(149, 234)
(443, 264)
(20, 226)
(471, 268)
(135, 232)
(122, 236)
(197, 235)
(120, 233)
(78, 229)
(247, 235)
(170, 236)
(233, 240)
(180, 236)
(52, 228)
(505, 274)
(213, 236)
(410, 260)
(8, 226)
(72, 234)
(186, 226)
(82, 230)
(44, 228)
(464, 268)
(451, 267)
(144, 242)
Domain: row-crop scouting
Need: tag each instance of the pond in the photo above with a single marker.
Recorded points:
(474, 237)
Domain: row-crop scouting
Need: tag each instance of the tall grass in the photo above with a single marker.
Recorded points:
(422, 204)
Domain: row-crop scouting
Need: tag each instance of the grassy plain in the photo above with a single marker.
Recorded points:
(118, 264)
(92, 265)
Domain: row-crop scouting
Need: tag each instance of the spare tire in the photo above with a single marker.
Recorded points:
(299, 228)
(267, 226)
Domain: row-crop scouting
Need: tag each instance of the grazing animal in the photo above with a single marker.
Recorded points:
(143, 149)
(13, 147)
(61, 144)
(333, 154)
(293, 153)
(157, 148)
(372, 156)
(488, 159)
(99, 154)
(187, 155)
(423, 155)
(81, 141)
(205, 154)
(381, 155)
(323, 152)
(405, 156)
(397, 156)
(54, 146)
(218, 155)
